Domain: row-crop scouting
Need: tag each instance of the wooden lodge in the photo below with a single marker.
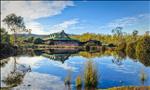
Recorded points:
(60, 39)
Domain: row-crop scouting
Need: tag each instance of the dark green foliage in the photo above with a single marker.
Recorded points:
(14, 24)
(38, 41)
(121, 46)
(111, 45)
(14, 21)
(30, 39)
(143, 50)
(131, 49)
(14, 80)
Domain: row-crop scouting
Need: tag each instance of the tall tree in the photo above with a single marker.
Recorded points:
(14, 24)
(134, 34)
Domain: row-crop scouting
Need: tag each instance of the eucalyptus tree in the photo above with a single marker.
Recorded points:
(117, 31)
(134, 34)
(147, 32)
(14, 24)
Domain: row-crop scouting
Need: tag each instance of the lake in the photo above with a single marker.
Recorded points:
(47, 70)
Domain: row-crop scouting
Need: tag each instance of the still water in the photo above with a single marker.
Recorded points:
(47, 71)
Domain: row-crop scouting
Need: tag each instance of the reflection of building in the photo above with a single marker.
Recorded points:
(60, 39)
(59, 54)
(61, 51)
(57, 57)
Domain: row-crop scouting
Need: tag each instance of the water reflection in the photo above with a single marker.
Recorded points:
(47, 73)
(16, 75)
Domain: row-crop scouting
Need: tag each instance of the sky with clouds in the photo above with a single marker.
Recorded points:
(77, 17)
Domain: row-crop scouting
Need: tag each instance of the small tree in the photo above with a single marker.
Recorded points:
(38, 41)
(134, 34)
(14, 24)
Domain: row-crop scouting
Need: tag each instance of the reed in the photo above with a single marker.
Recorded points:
(90, 75)
(78, 81)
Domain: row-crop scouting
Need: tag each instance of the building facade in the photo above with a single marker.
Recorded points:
(60, 39)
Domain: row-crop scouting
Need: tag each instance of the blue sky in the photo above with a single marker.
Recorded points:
(78, 17)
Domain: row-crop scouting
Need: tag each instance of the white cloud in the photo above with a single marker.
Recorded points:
(127, 22)
(32, 10)
(36, 27)
(64, 25)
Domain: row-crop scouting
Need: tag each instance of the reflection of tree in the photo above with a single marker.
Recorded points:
(90, 54)
(15, 77)
(119, 56)
(4, 62)
(131, 49)
(144, 58)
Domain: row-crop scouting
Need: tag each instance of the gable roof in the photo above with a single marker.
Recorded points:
(59, 36)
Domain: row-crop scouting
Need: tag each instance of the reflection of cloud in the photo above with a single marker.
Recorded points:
(63, 65)
(38, 81)
(126, 67)
(32, 61)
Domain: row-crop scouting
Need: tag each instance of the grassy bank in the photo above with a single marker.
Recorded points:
(130, 88)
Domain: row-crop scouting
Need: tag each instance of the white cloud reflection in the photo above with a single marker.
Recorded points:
(38, 81)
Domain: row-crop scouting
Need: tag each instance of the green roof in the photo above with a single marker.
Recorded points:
(59, 36)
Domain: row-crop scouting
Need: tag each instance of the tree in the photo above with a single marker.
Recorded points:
(14, 24)
(4, 37)
(2, 30)
(147, 32)
(38, 41)
(134, 34)
(30, 39)
(117, 31)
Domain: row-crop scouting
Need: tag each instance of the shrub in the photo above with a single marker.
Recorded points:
(38, 41)
(111, 45)
(131, 49)
(103, 48)
(143, 50)
(121, 46)
(90, 75)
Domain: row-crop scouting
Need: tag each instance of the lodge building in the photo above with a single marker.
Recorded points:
(60, 39)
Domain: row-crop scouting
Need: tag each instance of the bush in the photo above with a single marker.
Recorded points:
(131, 49)
(90, 75)
(111, 45)
(121, 46)
(143, 50)
(38, 41)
